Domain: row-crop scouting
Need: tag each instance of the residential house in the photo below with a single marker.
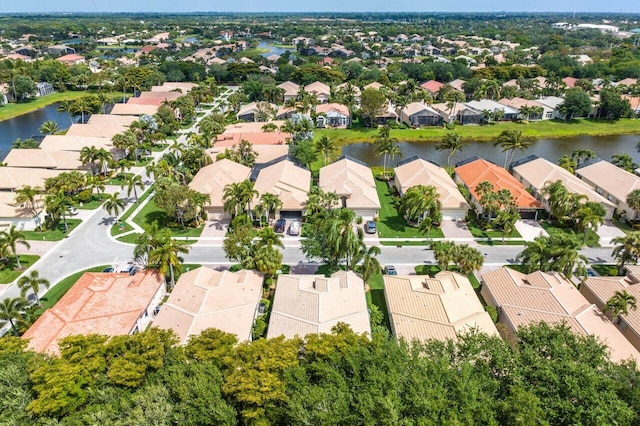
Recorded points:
(313, 304)
(375, 85)
(473, 171)
(134, 109)
(257, 111)
(612, 183)
(552, 105)
(264, 153)
(203, 298)
(598, 290)
(111, 304)
(570, 82)
(545, 113)
(386, 116)
(18, 215)
(458, 112)
(71, 59)
(417, 171)
(43, 159)
(432, 86)
(457, 84)
(506, 112)
(320, 90)
(291, 90)
(535, 173)
(417, 114)
(290, 182)
(352, 181)
(60, 50)
(441, 308)
(522, 300)
(12, 178)
(211, 180)
(332, 115)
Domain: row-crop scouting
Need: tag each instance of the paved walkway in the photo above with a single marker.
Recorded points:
(530, 229)
(608, 231)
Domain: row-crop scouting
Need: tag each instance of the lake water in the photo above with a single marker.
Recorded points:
(26, 126)
(272, 49)
(551, 149)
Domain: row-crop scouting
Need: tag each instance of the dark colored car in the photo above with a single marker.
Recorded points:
(280, 225)
(390, 270)
(109, 270)
(370, 227)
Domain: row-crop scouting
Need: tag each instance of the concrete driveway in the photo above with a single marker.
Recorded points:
(456, 230)
(530, 229)
(215, 228)
(608, 231)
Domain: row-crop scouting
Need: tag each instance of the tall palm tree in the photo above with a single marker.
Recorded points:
(89, 155)
(619, 304)
(421, 201)
(66, 106)
(82, 106)
(103, 159)
(248, 193)
(444, 253)
(633, 201)
(58, 205)
(506, 219)
(12, 309)
(49, 127)
(114, 204)
(11, 239)
(510, 141)
(344, 241)
(326, 146)
(468, 259)
(271, 203)
(590, 216)
(32, 282)
(267, 237)
(133, 183)
(452, 143)
(627, 249)
(369, 264)
(167, 257)
(231, 198)
(152, 237)
(568, 163)
(268, 260)
(27, 195)
(386, 146)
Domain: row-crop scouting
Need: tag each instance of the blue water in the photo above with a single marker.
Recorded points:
(272, 49)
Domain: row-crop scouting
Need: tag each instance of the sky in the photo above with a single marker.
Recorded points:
(22, 6)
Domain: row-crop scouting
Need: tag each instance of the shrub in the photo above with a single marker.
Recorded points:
(84, 196)
(235, 268)
(493, 313)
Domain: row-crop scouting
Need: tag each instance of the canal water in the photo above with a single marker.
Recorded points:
(550, 149)
(26, 126)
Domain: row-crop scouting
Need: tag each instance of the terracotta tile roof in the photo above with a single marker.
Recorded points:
(482, 170)
(289, 182)
(519, 103)
(539, 172)
(551, 298)
(422, 172)
(423, 308)
(212, 179)
(348, 178)
(72, 57)
(204, 298)
(570, 82)
(146, 101)
(612, 179)
(432, 86)
(99, 303)
(311, 304)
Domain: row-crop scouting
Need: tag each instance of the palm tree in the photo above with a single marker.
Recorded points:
(152, 237)
(12, 309)
(444, 252)
(82, 106)
(49, 127)
(421, 201)
(268, 260)
(58, 205)
(590, 216)
(66, 106)
(633, 201)
(468, 259)
(248, 193)
(506, 219)
(27, 195)
(369, 264)
(452, 143)
(89, 155)
(568, 163)
(510, 141)
(11, 238)
(167, 258)
(326, 146)
(344, 241)
(627, 249)
(267, 237)
(231, 198)
(133, 183)
(386, 146)
(34, 283)
(114, 204)
(271, 203)
(619, 304)
(103, 159)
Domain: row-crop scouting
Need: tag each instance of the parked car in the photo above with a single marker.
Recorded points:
(280, 225)
(294, 228)
(390, 270)
(370, 227)
(72, 211)
(109, 270)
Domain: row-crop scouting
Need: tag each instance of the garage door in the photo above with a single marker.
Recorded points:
(292, 215)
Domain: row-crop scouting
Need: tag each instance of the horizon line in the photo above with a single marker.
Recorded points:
(319, 12)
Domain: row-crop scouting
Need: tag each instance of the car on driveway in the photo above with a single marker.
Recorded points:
(280, 225)
(294, 228)
(109, 270)
(390, 270)
(370, 227)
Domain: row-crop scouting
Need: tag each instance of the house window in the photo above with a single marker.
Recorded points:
(549, 115)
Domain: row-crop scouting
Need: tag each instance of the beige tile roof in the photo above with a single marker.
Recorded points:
(43, 159)
(540, 171)
(356, 89)
(551, 298)
(422, 172)
(612, 179)
(73, 142)
(290, 88)
(318, 88)
(204, 298)
(12, 178)
(102, 125)
(264, 153)
(310, 304)
(165, 96)
(255, 139)
(519, 102)
(212, 179)
(169, 86)
(286, 180)
(481, 170)
(134, 109)
(353, 180)
(10, 209)
(249, 127)
(252, 108)
(375, 85)
(339, 108)
(416, 107)
(423, 308)
(108, 304)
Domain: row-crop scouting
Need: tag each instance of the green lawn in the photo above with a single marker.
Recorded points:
(55, 234)
(159, 147)
(129, 238)
(592, 238)
(95, 202)
(58, 290)
(143, 161)
(606, 270)
(477, 232)
(391, 224)
(152, 213)
(375, 296)
(117, 179)
(8, 272)
(13, 110)
(116, 229)
(532, 130)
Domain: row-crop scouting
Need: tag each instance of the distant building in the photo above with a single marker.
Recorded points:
(60, 50)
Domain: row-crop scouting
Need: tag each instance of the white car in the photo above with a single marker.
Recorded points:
(294, 228)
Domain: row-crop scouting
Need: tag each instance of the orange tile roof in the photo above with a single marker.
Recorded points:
(98, 303)
(482, 170)
(432, 86)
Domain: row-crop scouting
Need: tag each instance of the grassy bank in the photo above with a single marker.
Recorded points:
(533, 130)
